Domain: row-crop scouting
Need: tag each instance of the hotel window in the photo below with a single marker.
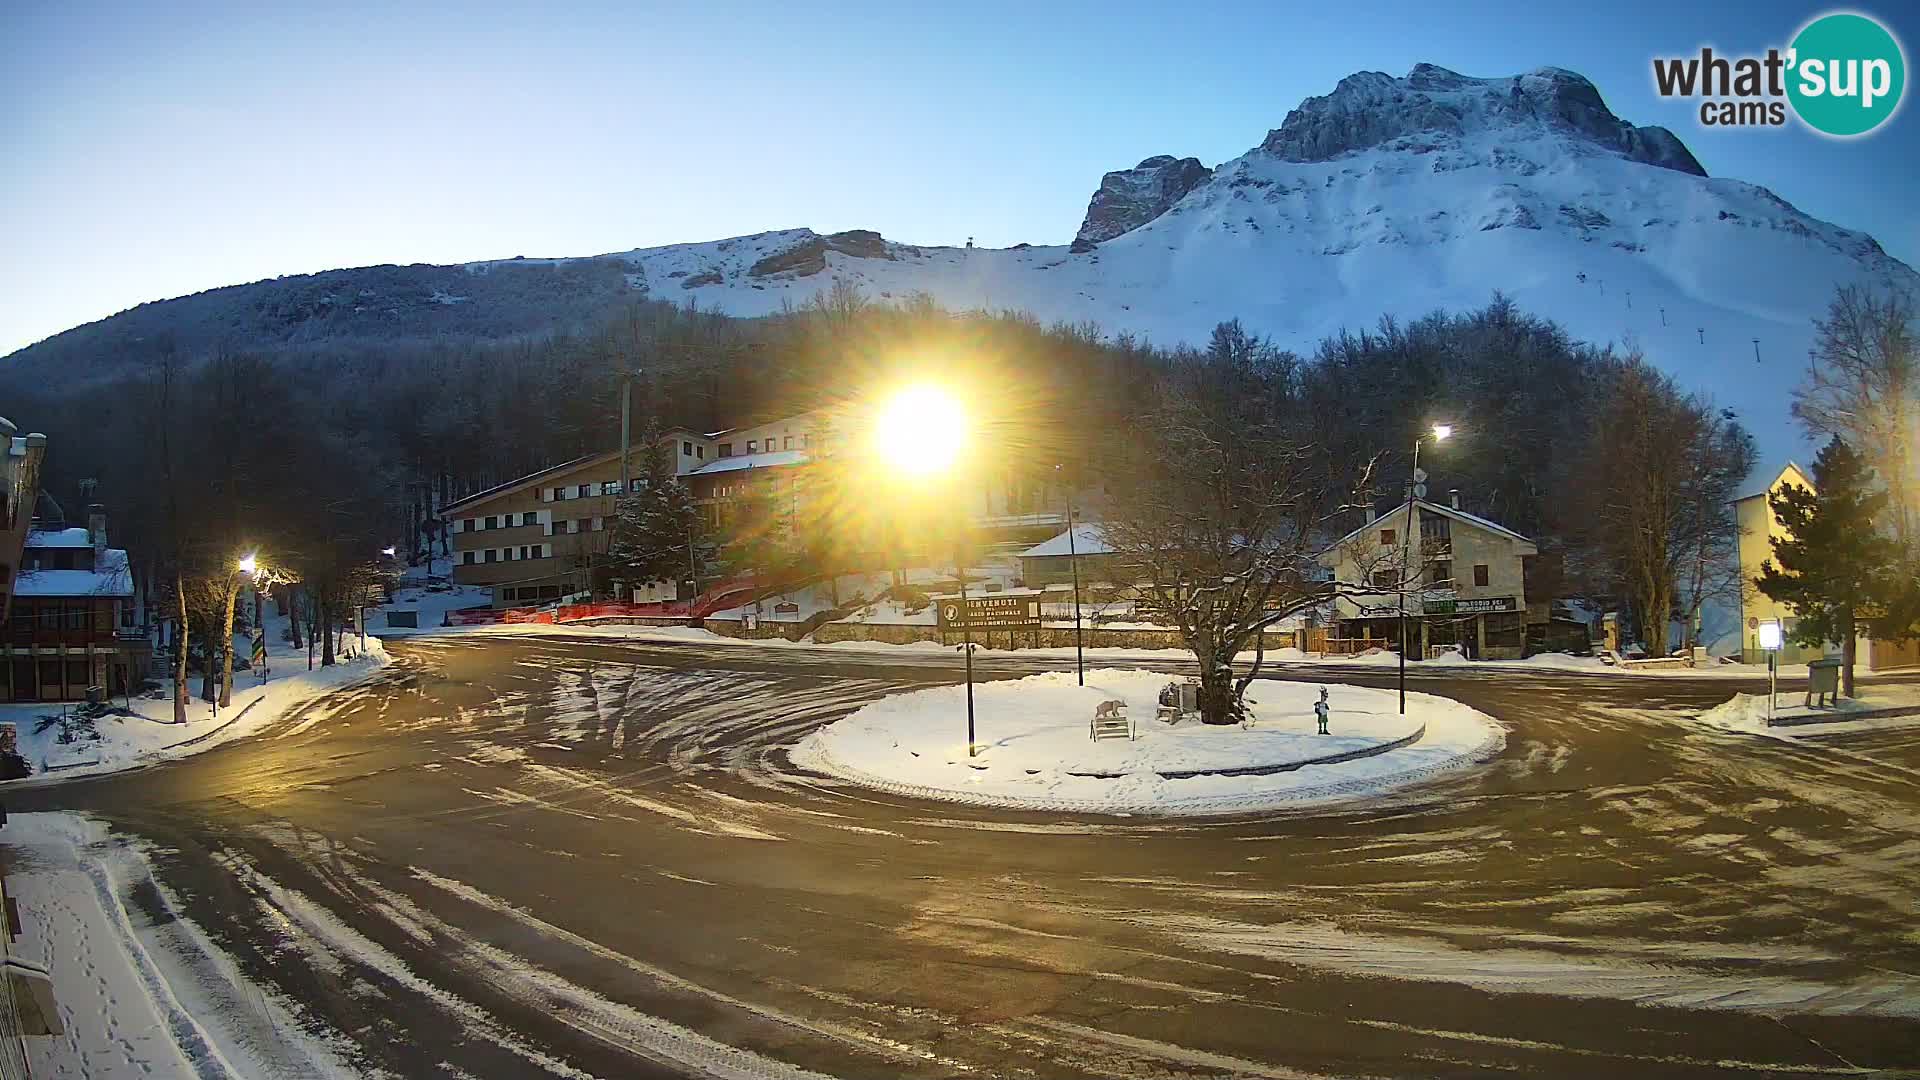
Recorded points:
(468, 526)
(753, 447)
(805, 439)
(1480, 573)
(506, 554)
(610, 487)
(1387, 537)
(1442, 573)
(638, 485)
(466, 558)
(529, 518)
(1385, 579)
(726, 449)
(585, 490)
(493, 521)
(700, 452)
(492, 555)
(523, 551)
(686, 449)
(559, 493)
(560, 526)
(786, 443)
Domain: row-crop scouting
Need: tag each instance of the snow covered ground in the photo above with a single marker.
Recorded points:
(1748, 712)
(121, 741)
(429, 602)
(1036, 752)
(1275, 662)
(142, 997)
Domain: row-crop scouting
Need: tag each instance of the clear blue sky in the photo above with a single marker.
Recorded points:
(152, 150)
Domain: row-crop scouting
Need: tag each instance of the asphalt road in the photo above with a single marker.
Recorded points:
(532, 857)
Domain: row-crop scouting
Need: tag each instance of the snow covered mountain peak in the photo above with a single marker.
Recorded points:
(1432, 107)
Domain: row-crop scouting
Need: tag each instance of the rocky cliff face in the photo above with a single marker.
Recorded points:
(1433, 107)
(1129, 198)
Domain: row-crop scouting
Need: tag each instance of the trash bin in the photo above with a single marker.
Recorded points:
(1823, 680)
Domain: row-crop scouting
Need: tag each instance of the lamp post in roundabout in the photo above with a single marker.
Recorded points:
(1416, 486)
(919, 433)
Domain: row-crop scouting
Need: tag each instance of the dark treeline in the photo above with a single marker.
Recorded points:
(344, 448)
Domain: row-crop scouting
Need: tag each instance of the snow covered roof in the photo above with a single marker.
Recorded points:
(751, 461)
(1762, 482)
(109, 577)
(1445, 511)
(61, 538)
(1088, 539)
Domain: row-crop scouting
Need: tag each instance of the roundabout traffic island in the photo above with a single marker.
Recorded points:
(1046, 743)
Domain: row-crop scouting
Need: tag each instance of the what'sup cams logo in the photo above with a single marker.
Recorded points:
(1844, 75)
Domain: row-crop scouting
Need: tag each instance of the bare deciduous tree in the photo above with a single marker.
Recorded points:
(1220, 507)
(1861, 385)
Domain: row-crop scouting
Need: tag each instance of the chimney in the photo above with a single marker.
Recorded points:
(1453, 497)
(97, 530)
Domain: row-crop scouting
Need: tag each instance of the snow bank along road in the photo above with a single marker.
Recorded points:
(578, 858)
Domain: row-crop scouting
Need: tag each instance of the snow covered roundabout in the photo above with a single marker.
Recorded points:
(1036, 751)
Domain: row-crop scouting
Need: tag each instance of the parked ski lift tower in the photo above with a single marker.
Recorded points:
(1771, 639)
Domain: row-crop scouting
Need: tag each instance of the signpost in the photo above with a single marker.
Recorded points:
(1010, 612)
(1770, 640)
(260, 652)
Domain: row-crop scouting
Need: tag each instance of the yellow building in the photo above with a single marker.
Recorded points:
(1758, 528)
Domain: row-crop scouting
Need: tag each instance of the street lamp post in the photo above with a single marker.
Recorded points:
(1439, 432)
(920, 431)
(1073, 563)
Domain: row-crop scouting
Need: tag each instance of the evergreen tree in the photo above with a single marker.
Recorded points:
(1833, 565)
(654, 529)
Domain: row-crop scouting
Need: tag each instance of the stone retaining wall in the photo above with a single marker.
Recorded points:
(737, 628)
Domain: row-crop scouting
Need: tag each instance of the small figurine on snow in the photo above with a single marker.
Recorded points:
(1320, 710)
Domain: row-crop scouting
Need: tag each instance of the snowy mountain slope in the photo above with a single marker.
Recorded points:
(1616, 235)
(1387, 196)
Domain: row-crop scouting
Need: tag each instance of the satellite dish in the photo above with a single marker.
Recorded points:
(1419, 476)
(1419, 491)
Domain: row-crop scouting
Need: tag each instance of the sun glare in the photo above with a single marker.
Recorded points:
(920, 430)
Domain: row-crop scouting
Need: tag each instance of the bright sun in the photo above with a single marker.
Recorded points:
(920, 430)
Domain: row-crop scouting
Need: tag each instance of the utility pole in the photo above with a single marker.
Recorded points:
(1406, 535)
(626, 427)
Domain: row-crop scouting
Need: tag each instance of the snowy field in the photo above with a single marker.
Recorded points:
(119, 741)
(1748, 712)
(142, 997)
(1036, 752)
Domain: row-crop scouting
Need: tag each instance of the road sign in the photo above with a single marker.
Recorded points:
(1419, 476)
(1419, 491)
(991, 612)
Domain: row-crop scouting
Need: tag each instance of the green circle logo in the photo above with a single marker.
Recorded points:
(1847, 74)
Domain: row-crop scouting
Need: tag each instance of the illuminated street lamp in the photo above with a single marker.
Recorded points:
(1438, 433)
(389, 551)
(250, 566)
(920, 432)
